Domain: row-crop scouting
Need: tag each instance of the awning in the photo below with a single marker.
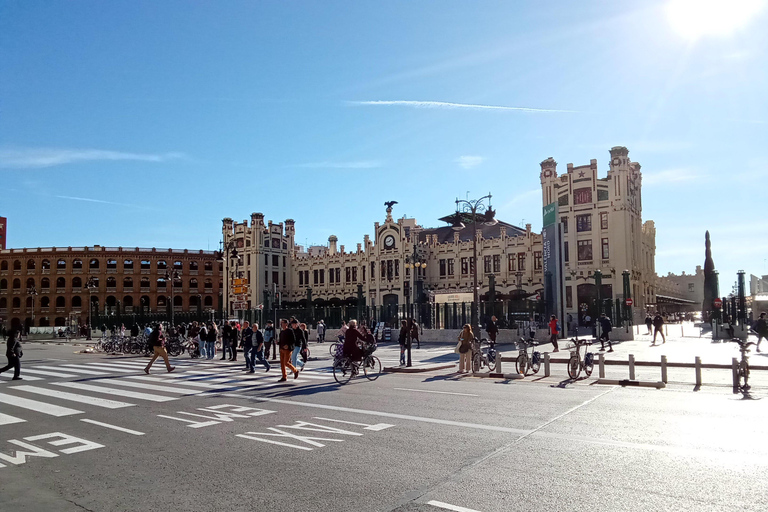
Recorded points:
(666, 299)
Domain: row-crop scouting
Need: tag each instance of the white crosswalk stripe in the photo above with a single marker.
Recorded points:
(154, 387)
(73, 397)
(24, 376)
(7, 419)
(47, 373)
(34, 405)
(70, 369)
(115, 391)
(111, 367)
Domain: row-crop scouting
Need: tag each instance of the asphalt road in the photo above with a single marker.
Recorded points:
(208, 437)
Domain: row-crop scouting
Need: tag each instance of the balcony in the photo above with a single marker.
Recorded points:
(93, 271)
(74, 271)
(145, 271)
(144, 289)
(77, 290)
(3, 311)
(61, 290)
(127, 271)
(61, 310)
(111, 271)
(45, 290)
(45, 271)
(111, 289)
(62, 271)
(193, 272)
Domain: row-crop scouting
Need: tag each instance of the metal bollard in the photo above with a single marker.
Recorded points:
(664, 369)
(601, 366)
(631, 367)
(735, 370)
(666, 330)
(682, 331)
(546, 364)
(698, 371)
(498, 361)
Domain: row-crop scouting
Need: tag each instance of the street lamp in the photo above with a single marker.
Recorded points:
(172, 276)
(227, 253)
(33, 292)
(414, 262)
(473, 211)
(90, 285)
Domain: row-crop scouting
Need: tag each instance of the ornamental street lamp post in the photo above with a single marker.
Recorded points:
(172, 277)
(32, 291)
(414, 262)
(474, 210)
(226, 254)
(90, 285)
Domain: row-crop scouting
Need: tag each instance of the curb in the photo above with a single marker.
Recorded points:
(508, 376)
(418, 369)
(632, 383)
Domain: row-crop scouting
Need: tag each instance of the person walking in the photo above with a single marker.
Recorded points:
(605, 327)
(210, 340)
(554, 329)
(286, 341)
(464, 348)
(157, 342)
(269, 340)
(246, 343)
(226, 336)
(13, 352)
(235, 336)
(761, 328)
(320, 331)
(492, 328)
(403, 340)
(301, 340)
(257, 352)
(658, 323)
(648, 323)
(415, 333)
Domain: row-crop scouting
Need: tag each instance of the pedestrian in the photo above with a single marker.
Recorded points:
(13, 352)
(235, 335)
(246, 343)
(343, 329)
(532, 326)
(269, 340)
(648, 323)
(286, 341)
(415, 333)
(257, 352)
(658, 322)
(226, 336)
(570, 324)
(464, 348)
(210, 340)
(492, 328)
(157, 342)
(554, 329)
(605, 327)
(761, 328)
(300, 343)
(403, 340)
(320, 331)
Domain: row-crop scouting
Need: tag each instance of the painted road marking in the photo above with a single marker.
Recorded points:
(73, 370)
(25, 377)
(377, 427)
(111, 367)
(154, 387)
(73, 397)
(34, 405)
(437, 392)
(232, 386)
(6, 419)
(114, 427)
(115, 391)
(49, 374)
(448, 506)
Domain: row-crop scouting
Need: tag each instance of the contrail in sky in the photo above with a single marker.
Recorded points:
(445, 104)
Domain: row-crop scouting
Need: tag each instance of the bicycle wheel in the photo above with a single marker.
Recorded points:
(333, 348)
(372, 367)
(521, 364)
(342, 371)
(174, 349)
(191, 350)
(574, 366)
(743, 377)
(491, 361)
(535, 363)
(589, 363)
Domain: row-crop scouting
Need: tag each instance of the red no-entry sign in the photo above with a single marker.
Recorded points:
(629, 302)
(718, 303)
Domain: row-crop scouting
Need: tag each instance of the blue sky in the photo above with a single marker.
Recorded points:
(145, 123)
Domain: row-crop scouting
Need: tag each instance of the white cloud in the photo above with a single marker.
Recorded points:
(469, 161)
(30, 158)
(669, 176)
(448, 105)
(363, 164)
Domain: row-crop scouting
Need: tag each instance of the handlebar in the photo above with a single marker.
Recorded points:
(742, 343)
(580, 342)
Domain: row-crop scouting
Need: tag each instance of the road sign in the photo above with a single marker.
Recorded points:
(718, 303)
(538, 296)
(260, 306)
(239, 290)
(239, 306)
(241, 298)
(239, 282)
(629, 302)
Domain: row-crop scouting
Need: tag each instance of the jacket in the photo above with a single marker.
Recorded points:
(14, 347)
(287, 339)
(211, 337)
(259, 342)
(269, 333)
(248, 337)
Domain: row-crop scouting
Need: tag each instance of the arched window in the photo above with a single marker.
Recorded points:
(3, 284)
(30, 264)
(208, 285)
(162, 301)
(60, 302)
(111, 301)
(60, 321)
(161, 284)
(77, 283)
(45, 265)
(128, 265)
(144, 301)
(16, 284)
(209, 266)
(111, 282)
(111, 264)
(162, 265)
(178, 266)
(208, 301)
(193, 284)
(93, 264)
(44, 322)
(128, 282)
(30, 282)
(45, 302)
(4, 265)
(17, 265)
(128, 301)
(77, 264)
(177, 283)
(146, 265)
(61, 265)
(77, 302)
(193, 301)
(3, 303)
(193, 266)
(16, 302)
(60, 282)
(45, 283)
(145, 282)
(178, 301)
(30, 303)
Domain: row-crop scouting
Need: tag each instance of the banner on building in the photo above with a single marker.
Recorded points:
(553, 264)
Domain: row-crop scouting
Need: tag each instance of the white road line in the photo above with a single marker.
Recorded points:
(112, 367)
(229, 385)
(430, 391)
(6, 419)
(73, 370)
(34, 405)
(24, 376)
(114, 427)
(448, 506)
(73, 397)
(116, 392)
(49, 374)
(154, 387)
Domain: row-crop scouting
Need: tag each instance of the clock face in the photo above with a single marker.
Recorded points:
(389, 241)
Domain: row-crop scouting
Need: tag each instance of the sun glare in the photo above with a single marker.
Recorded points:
(694, 19)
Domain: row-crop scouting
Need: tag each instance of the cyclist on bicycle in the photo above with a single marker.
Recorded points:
(351, 337)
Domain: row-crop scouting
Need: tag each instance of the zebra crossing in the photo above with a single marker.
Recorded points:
(70, 389)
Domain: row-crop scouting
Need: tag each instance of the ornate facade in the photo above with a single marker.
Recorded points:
(124, 279)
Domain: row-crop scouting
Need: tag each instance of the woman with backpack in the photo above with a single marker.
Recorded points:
(13, 353)
(464, 348)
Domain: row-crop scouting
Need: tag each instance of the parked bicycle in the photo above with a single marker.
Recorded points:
(576, 364)
(483, 356)
(334, 347)
(743, 368)
(526, 363)
(344, 368)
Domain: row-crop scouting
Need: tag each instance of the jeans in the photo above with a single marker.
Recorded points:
(295, 359)
(246, 356)
(210, 349)
(254, 355)
(15, 363)
(226, 347)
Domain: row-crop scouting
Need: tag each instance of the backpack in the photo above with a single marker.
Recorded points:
(557, 327)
